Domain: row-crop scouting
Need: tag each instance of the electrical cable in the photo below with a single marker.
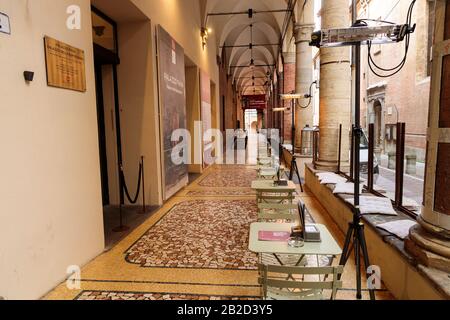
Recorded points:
(297, 103)
(374, 67)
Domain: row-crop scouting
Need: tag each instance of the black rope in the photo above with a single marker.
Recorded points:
(125, 188)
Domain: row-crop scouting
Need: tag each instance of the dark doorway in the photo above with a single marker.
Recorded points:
(106, 58)
(102, 134)
(104, 32)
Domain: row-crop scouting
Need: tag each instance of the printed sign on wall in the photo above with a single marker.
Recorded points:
(173, 109)
(205, 83)
(65, 65)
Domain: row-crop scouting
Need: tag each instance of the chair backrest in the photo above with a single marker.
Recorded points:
(280, 281)
(277, 211)
(278, 198)
(302, 211)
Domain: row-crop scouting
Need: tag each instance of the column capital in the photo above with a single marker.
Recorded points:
(289, 57)
(303, 31)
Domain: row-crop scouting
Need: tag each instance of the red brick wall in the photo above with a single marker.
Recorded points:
(289, 87)
(409, 90)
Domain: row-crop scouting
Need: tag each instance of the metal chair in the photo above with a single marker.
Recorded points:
(280, 283)
(277, 211)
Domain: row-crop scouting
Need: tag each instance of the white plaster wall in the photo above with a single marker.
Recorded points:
(182, 19)
(50, 195)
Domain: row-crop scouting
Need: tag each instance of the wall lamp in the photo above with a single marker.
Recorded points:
(297, 96)
(204, 33)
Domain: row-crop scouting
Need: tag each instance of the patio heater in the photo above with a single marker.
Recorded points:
(294, 98)
(362, 34)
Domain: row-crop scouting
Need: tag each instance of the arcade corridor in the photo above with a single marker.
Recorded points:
(196, 246)
(225, 149)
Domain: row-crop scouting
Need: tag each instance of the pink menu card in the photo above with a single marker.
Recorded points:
(274, 236)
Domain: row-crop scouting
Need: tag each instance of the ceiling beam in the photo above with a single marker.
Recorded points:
(251, 45)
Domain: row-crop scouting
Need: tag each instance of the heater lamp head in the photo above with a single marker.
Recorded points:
(383, 34)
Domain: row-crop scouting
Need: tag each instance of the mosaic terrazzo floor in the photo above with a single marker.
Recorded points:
(182, 239)
(125, 296)
(160, 265)
(222, 193)
(237, 178)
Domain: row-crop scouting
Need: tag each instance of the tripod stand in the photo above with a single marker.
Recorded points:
(355, 239)
(355, 232)
(294, 166)
(294, 169)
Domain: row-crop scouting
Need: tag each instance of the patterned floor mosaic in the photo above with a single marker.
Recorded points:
(182, 239)
(125, 296)
(241, 178)
(222, 192)
(195, 248)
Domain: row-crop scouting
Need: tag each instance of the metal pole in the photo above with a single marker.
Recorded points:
(357, 126)
(121, 227)
(144, 207)
(370, 172)
(352, 153)
(400, 164)
(356, 228)
(250, 45)
(340, 149)
(212, 14)
(293, 127)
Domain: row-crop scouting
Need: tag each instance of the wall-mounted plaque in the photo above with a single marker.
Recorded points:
(65, 65)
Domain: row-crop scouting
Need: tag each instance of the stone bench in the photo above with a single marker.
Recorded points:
(402, 275)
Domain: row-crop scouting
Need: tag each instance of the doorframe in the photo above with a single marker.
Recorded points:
(114, 62)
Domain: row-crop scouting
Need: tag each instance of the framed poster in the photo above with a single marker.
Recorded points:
(65, 65)
(205, 85)
(173, 109)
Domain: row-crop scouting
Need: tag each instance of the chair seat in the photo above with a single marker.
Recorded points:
(287, 260)
(275, 294)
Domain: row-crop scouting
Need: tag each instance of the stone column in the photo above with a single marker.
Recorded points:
(289, 87)
(429, 241)
(304, 67)
(335, 89)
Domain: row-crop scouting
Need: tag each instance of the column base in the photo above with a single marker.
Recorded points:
(443, 233)
(331, 166)
(429, 249)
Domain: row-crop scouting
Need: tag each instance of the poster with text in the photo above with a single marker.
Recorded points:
(173, 110)
(205, 83)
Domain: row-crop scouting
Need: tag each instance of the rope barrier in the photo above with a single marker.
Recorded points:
(125, 187)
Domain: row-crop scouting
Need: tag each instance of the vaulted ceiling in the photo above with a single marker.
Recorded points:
(250, 67)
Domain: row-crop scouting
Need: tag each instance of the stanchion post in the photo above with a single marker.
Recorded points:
(121, 227)
(144, 207)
